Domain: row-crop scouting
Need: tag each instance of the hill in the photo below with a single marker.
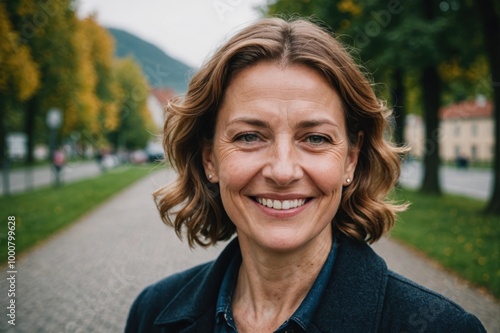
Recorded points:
(160, 69)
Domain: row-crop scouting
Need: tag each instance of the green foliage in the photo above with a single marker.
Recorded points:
(50, 58)
(159, 69)
(106, 89)
(453, 231)
(47, 29)
(97, 102)
(396, 34)
(55, 49)
(135, 124)
(41, 213)
(19, 75)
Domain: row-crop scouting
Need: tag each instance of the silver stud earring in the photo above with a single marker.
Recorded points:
(348, 180)
(210, 177)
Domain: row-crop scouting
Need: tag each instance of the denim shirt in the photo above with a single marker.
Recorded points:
(300, 319)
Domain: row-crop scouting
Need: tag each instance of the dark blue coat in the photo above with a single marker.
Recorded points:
(362, 296)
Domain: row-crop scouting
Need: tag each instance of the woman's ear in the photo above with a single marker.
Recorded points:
(352, 158)
(209, 164)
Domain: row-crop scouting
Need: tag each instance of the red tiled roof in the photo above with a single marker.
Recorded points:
(467, 109)
(163, 95)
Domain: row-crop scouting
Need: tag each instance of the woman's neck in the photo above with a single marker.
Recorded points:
(271, 286)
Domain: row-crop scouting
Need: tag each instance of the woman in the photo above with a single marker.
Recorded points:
(281, 140)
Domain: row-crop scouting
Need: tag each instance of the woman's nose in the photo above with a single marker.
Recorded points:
(282, 165)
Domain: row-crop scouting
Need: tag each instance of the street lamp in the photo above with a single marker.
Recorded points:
(54, 120)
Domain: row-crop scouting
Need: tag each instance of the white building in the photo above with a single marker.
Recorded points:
(466, 130)
(157, 100)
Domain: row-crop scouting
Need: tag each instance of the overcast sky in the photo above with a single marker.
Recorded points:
(187, 30)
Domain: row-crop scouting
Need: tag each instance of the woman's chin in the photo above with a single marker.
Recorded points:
(280, 241)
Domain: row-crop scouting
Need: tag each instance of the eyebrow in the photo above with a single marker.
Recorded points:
(250, 121)
(316, 122)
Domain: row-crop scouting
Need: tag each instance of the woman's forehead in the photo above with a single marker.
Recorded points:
(270, 81)
(269, 92)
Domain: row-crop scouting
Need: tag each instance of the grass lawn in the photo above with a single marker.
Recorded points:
(453, 231)
(42, 212)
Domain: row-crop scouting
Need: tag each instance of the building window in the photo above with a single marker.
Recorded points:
(474, 152)
(474, 130)
(457, 130)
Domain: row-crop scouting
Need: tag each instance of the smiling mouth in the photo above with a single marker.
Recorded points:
(281, 204)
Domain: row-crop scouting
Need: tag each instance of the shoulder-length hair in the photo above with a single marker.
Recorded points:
(191, 204)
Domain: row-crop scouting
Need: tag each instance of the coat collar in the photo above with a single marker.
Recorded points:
(352, 303)
(354, 298)
(194, 304)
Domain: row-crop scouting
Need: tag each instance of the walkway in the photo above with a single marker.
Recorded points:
(474, 183)
(24, 179)
(85, 278)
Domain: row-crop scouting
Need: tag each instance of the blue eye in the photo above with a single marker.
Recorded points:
(316, 139)
(247, 137)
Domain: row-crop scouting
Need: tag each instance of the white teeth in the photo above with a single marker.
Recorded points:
(281, 204)
(285, 205)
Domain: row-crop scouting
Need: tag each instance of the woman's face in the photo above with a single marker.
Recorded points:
(281, 156)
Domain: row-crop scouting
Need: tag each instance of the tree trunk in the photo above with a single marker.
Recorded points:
(4, 159)
(397, 108)
(490, 19)
(431, 92)
(29, 128)
(3, 130)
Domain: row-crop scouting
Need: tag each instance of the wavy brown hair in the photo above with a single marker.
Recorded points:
(191, 204)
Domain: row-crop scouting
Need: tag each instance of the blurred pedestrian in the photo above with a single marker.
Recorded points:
(99, 157)
(59, 162)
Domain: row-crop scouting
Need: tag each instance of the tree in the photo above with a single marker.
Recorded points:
(431, 91)
(106, 88)
(47, 29)
(81, 115)
(135, 124)
(19, 76)
(489, 13)
(96, 57)
(74, 58)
